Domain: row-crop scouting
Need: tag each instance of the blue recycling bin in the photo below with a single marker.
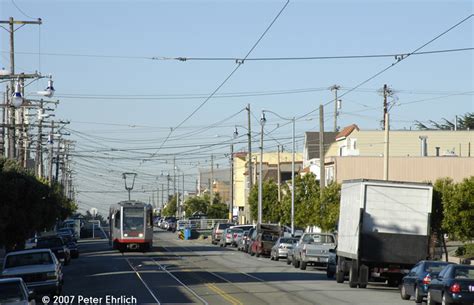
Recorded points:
(187, 233)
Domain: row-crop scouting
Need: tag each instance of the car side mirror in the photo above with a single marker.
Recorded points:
(31, 295)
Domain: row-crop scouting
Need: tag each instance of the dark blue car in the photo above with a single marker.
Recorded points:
(419, 278)
(453, 285)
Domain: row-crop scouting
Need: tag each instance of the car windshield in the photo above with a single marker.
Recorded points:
(38, 258)
(286, 240)
(11, 292)
(133, 219)
(223, 226)
(464, 272)
(318, 238)
(49, 243)
(267, 237)
(434, 267)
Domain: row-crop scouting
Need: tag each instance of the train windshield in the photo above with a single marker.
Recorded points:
(133, 219)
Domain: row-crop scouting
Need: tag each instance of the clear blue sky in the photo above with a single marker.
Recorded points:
(229, 29)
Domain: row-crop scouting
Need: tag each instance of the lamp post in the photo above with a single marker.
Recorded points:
(260, 178)
(292, 169)
(128, 186)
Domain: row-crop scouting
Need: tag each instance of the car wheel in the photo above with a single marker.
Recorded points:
(403, 293)
(277, 258)
(303, 265)
(429, 300)
(288, 262)
(443, 300)
(418, 297)
(271, 257)
(257, 254)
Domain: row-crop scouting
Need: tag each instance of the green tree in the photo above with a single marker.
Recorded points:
(458, 207)
(270, 205)
(28, 205)
(196, 204)
(329, 207)
(170, 208)
(465, 122)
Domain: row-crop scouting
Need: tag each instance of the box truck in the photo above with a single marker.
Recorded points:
(383, 230)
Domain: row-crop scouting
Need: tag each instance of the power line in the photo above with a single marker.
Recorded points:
(239, 64)
(398, 60)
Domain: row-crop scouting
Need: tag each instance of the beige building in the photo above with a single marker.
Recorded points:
(269, 170)
(414, 155)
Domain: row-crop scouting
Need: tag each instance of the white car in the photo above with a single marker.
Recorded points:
(13, 291)
(39, 268)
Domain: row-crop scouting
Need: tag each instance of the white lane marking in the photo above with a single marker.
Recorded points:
(143, 282)
(178, 280)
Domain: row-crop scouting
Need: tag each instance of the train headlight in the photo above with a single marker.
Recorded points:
(140, 235)
(125, 234)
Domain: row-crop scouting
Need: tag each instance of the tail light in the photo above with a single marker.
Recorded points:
(455, 288)
(235, 235)
(427, 280)
(227, 235)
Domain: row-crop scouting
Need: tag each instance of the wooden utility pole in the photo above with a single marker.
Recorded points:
(231, 201)
(211, 182)
(279, 174)
(51, 143)
(248, 215)
(386, 133)
(335, 88)
(39, 142)
(322, 170)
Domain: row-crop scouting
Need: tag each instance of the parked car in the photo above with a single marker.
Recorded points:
(68, 231)
(332, 263)
(280, 249)
(263, 244)
(236, 236)
(39, 268)
(226, 238)
(14, 291)
(57, 245)
(453, 285)
(416, 282)
(217, 231)
(241, 241)
(313, 248)
(71, 244)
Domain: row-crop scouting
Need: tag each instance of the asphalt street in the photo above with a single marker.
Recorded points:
(196, 272)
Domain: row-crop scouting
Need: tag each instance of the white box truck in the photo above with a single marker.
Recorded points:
(384, 229)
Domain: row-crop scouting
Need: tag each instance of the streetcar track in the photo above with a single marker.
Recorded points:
(143, 282)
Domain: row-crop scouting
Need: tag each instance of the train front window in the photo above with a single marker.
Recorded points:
(133, 219)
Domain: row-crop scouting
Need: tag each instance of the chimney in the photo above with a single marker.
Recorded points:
(437, 151)
(424, 146)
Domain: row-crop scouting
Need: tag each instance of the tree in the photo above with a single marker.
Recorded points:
(196, 204)
(465, 122)
(329, 207)
(170, 208)
(28, 205)
(458, 207)
(270, 205)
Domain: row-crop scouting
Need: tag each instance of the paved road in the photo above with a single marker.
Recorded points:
(197, 272)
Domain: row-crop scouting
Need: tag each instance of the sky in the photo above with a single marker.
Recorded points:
(123, 95)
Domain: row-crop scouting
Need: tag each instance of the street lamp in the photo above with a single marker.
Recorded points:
(260, 178)
(292, 170)
(129, 186)
(17, 98)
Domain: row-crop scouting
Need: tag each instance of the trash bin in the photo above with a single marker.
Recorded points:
(187, 233)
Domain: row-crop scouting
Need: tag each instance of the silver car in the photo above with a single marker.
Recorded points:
(14, 291)
(39, 268)
(236, 236)
(281, 247)
(226, 238)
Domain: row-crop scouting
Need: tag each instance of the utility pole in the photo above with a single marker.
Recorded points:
(4, 125)
(211, 183)
(12, 111)
(39, 141)
(51, 143)
(386, 132)
(57, 159)
(231, 201)
(248, 215)
(162, 195)
(322, 170)
(182, 200)
(335, 88)
(260, 171)
(279, 174)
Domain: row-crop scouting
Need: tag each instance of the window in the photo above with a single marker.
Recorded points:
(117, 220)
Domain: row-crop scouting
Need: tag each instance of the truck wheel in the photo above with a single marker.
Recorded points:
(363, 276)
(297, 263)
(339, 274)
(403, 293)
(353, 276)
(277, 258)
(303, 265)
